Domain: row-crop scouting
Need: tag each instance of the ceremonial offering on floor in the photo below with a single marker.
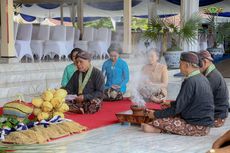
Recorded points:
(50, 104)
(23, 123)
(136, 114)
(128, 116)
(34, 132)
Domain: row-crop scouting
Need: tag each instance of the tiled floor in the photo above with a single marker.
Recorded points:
(127, 139)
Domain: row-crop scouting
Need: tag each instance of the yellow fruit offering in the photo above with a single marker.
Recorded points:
(64, 108)
(59, 114)
(60, 93)
(52, 91)
(47, 95)
(56, 102)
(36, 111)
(43, 116)
(37, 102)
(47, 106)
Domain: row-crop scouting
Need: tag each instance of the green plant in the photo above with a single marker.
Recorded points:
(161, 29)
(17, 7)
(138, 23)
(103, 22)
(219, 31)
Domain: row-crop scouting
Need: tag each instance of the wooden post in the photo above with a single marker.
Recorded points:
(152, 9)
(127, 26)
(8, 52)
(61, 12)
(80, 11)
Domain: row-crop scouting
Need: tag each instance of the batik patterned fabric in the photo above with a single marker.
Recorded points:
(176, 125)
(86, 107)
(112, 95)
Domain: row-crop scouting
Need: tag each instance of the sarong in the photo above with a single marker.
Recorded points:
(86, 107)
(176, 125)
(112, 95)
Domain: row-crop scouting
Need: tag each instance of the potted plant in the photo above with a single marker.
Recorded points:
(217, 32)
(163, 29)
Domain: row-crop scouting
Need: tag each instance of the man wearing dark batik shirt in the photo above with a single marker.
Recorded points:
(219, 88)
(88, 84)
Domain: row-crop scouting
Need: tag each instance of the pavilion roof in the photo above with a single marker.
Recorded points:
(58, 1)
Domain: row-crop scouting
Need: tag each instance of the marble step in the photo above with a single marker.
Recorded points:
(31, 76)
(12, 73)
(21, 67)
(31, 79)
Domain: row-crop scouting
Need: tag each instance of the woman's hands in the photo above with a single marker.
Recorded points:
(116, 86)
(79, 99)
(150, 113)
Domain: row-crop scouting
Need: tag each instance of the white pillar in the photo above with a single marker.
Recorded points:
(152, 13)
(152, 9)
(127, 26)
(187, 8)
(7, 30)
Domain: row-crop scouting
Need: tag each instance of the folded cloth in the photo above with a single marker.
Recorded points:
(17, 108)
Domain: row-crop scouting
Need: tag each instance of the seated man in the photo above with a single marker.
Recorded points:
(155, 79)
(88, 84)
(192, 114)
(219, 88)
(117, 74)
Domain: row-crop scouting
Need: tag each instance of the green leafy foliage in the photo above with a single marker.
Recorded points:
(189, 30)
(157, 28)
(104, 22)
(219, 31)
(139, 23)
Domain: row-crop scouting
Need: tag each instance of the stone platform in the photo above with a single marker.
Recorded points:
(30, 79)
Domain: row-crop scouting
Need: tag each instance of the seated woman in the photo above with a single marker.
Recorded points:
(117, 74)
(88, 84)
(192, 114)
(71, 68)
(155, 79)
(222, 144)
